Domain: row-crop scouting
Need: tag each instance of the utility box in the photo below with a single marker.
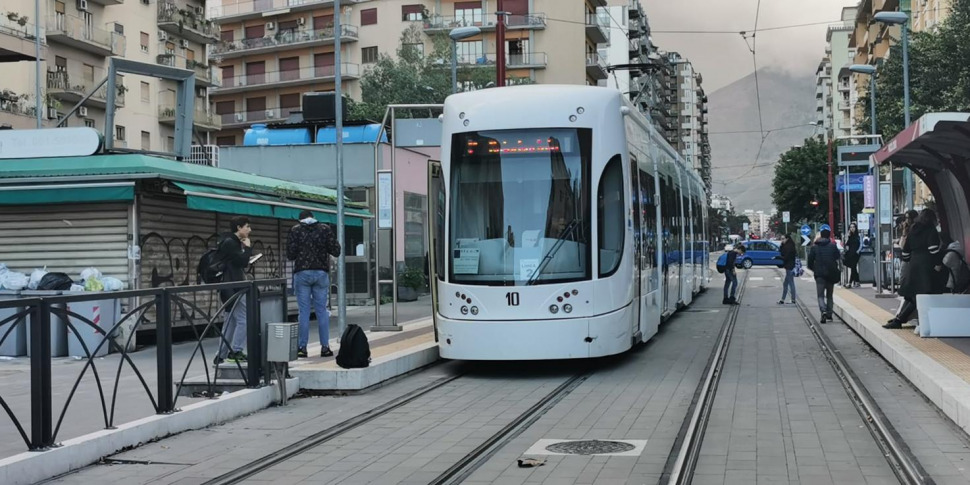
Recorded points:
(282, 341)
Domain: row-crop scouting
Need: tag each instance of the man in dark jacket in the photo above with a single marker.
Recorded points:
(234, 251)
(731, 276)
(823, 260)
(310, 245)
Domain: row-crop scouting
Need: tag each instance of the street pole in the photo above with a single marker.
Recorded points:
(907, 173)
(38, 104)
(454, 66)
(872, 101)
(500, 46)
(831, 208)
(341, 229)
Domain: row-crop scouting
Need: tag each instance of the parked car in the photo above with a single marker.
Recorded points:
(760, 253)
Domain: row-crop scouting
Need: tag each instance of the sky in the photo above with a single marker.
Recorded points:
(724, 58)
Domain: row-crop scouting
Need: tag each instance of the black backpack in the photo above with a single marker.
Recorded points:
(354, 350)
(210, 268)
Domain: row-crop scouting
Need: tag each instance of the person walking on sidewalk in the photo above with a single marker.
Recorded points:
(731, 275)
(823, 260)
(310, 245)
(851, 258)
(234, 252)
(921, 249)
(788, 256)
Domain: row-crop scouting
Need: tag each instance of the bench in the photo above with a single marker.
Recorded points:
(943, 315)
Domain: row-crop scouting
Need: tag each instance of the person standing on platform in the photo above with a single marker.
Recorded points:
(788, 256)
(851, 258)
(234, 251)
(921, 249)
(823, 260)
(731, 275)
(310, 245)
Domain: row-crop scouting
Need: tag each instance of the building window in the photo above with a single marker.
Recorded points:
(471, 51)
(368, 16)
(146, 92)
(170, 144)
(411, 13)
(146, 140)
(289, 103)
(224, 141)
(120, 132)
(227, 35)
(368, 55)
(119, 29)
(468, 13)
(144, 42)
(60, 63)
(256, 31)
(88, 122)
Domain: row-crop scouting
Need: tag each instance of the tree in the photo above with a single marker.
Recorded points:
(801, 178)
(415, 78)
(939, 75)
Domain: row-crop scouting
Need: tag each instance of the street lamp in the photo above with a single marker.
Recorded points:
(457, 34)
(902, 19)
(871, 72)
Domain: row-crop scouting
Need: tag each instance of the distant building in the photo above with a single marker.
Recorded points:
(721, 202)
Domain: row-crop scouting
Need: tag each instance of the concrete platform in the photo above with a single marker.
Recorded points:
(392, 355)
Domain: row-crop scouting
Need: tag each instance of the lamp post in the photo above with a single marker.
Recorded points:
(457, 34)
(871, 72)
(902, 19)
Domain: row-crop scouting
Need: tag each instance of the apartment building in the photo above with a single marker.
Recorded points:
(823, 95)
(927, 14)
(272, 51)
(722, 202)
(834, 83)
(17, 55)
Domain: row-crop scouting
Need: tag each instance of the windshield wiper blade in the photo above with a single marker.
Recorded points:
(566, 231)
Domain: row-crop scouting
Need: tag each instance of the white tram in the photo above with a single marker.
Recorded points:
(563, 225)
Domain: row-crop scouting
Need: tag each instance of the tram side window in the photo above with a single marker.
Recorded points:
(649, 210)
(611, 214)
(637, 207)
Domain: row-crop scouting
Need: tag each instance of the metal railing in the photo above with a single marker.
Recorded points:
(165, 305)
(285, 38)
(186, 18)
(245, 7)
(77, 84)
(20, 28)
(76, 28)
(203, 72)
(511, 60)
(301, 74)
(200, 117)
(516, 21)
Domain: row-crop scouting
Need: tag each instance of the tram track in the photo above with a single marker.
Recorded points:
(680, 466)
(903, 462)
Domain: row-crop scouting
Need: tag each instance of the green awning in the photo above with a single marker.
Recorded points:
(55, 194)
(201, 197)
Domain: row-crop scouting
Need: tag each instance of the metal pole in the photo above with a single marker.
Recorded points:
(872, 101)
(907, 173)
(254, 335)
(500, 46)
(394, 222)
(341, 228)
(454, 66)
(37, 89)
(878, 233)
(163, 352)
(831, 205)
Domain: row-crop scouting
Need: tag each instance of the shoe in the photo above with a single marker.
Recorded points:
(218, 360)
(916, 330)
(326, 352)
(781, 302)
(301, 353)
(735, 301)
(894, 323)
(236, 357)
(793, 302)
(822, 320)
(726, 301)
(856, 285)
(830, 317)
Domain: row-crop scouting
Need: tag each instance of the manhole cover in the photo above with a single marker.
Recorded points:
(589, 447)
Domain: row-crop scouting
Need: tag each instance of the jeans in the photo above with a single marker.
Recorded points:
(234, 329)
(312, 287)
(730, 281)
(824, 290)
(789, 284)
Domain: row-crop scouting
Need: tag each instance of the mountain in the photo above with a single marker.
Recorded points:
(787, 100)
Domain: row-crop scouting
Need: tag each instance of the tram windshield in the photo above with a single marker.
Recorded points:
(520, 210)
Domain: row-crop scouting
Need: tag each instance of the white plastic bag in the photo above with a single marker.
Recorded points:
(35, 278)
(12, 280)
(3, 268)
(112, 284)
(77, 287)
(89, 272)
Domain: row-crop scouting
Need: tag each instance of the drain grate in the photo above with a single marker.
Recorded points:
(590, 447)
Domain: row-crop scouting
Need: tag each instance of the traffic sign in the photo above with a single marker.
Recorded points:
(806, 230)
(744, 226)
(805, 240)
(786, 217)
(825, 227)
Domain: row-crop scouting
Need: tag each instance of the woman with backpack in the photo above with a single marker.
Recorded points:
(921, 249)
(788, 256)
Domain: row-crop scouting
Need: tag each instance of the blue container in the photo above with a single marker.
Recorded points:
(259, 134)
(352, 134)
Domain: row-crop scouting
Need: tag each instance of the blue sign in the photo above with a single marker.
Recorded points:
(856, 182)
(806, 230)
(825, 227)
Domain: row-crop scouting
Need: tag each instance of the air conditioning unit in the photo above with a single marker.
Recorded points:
(82, 112)
(239, 117)
(200, 11)
(301, 21)
(270, 26)
(184, 43)
(82, 4)
(200, 92)
(162, 36)
(270, 114)
(51, 113)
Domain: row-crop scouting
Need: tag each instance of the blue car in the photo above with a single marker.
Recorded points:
(760, 253)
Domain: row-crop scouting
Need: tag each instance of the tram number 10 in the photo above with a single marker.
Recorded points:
(512, 298)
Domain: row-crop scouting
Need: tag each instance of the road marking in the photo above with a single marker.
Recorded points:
(756, 278)
(778, 278)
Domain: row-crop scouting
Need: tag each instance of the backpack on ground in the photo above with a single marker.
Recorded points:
(354, 350)
(210, 268)
(721, 263)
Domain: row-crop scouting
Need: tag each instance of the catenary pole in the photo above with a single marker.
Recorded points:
(341, 228)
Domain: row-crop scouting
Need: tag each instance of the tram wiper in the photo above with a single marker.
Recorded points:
(560, 240)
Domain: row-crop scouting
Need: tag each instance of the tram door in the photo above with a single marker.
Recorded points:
(636, 214)
(436, 235)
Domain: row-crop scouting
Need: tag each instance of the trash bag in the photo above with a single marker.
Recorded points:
(89, 272)
(93, 284)
(3, 268)
(55, 282)
(112, 284)
(12, 280)
(35, 278)
(77, 287)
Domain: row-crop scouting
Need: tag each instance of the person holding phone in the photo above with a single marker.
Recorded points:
(235, 249)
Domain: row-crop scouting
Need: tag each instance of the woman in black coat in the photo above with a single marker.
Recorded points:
(922, 250)
(851, 258)
(788, 256)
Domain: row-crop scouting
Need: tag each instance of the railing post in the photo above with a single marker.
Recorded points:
(254, 340)
(163, 349)
(41, 417)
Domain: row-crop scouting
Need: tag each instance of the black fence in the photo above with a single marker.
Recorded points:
(168, 305)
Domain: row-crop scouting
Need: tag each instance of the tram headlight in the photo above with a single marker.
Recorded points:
(474, 310)
(464, 310)
(567, 308)
(554, 309)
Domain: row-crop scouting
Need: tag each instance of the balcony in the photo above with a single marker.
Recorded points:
(206, 76)
(290, 39)
(597, 28)
(245, 118)
(17, 40)
(595, 66)
(188, 23)
(251, 9)
(70, 86)
(72, 31)
(279, 79)
(444, 23)
(201, 120)
(17, 110)
(527, 60)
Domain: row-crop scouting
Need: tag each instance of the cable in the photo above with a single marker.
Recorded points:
(719, 32)
(756, 131)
